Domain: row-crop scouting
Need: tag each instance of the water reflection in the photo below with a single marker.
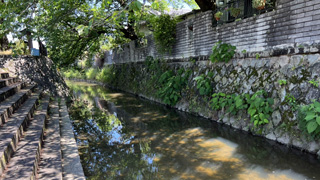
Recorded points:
(124, 137)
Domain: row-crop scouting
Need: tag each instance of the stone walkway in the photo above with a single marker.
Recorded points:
(32, 144)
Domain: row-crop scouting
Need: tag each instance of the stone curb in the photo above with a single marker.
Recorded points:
(71, 165)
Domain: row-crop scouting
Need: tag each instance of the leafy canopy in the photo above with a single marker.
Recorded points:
(75, 29)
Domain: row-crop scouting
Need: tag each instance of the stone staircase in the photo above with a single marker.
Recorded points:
(32, 146)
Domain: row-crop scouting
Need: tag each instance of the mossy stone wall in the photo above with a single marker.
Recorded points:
(241, 75)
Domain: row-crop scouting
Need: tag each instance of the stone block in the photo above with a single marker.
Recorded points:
(284, 139)
(313, 58)
(276, 118)
(313, 147)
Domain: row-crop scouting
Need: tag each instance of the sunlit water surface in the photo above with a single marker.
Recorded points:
(121, 136)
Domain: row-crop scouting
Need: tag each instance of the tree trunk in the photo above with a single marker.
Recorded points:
(129, 33)
(42, 48)
(29, 37)
(4, 43)
(205, 5)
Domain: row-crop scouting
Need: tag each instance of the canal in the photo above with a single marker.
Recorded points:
(121, 136)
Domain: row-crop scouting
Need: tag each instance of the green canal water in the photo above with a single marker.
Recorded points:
(121, 136)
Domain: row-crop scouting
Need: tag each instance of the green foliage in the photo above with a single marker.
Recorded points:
(282, 82)
(204, 84)
(72, 73)
(314, 83)
(232, 103)
(84, 64)
(309, 119)
(171, 85)
(290, 100)
(234, 12)
(72, 29)
(164, 32)
(218, 15)
(259, 108)
(239, 104)
(244, 51)
(222, 52)
(218, 101)
(149, 62)
(257, 56)
(106, 75)
(259, 3)
(91, 73)
(20, 48)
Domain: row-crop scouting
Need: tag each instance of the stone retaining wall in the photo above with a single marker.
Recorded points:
(280, 45)
(40, 70)
(241, 75)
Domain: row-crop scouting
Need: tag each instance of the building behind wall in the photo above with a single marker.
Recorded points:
(293, 27)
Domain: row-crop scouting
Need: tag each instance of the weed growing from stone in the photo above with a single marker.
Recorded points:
(314, 83)
(309, 119)
(204, 84)
(282, 82)
(222, 52)
(257, 105)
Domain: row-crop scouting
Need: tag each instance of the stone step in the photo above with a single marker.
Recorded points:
(8, 81)
(8, 106)
(4, 75)
(50, 164)
(24, 163)
(71, 165)
(8, 91)
(11, 131)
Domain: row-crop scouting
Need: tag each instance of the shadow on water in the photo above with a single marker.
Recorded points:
(121, 136)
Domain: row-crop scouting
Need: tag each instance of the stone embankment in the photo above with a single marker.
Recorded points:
(240, 76)
(40, 70)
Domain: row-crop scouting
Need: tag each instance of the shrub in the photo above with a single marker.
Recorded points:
(164, 32)
(259, 108)
(91, 73)
(72, 73)
(171, 85)
(204, 84)
(106, 75)
(233, 103)
(222, 52)
(309, 119)
(20, 48)
(257, 105)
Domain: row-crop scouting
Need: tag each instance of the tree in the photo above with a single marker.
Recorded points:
(4, 43)
(16, 17)
(205, 5)
(71, 28)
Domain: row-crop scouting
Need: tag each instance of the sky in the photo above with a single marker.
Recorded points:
(12, 40)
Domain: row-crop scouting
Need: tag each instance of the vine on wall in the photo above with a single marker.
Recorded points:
(164, 32)
(171, 85)
(258, 105)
